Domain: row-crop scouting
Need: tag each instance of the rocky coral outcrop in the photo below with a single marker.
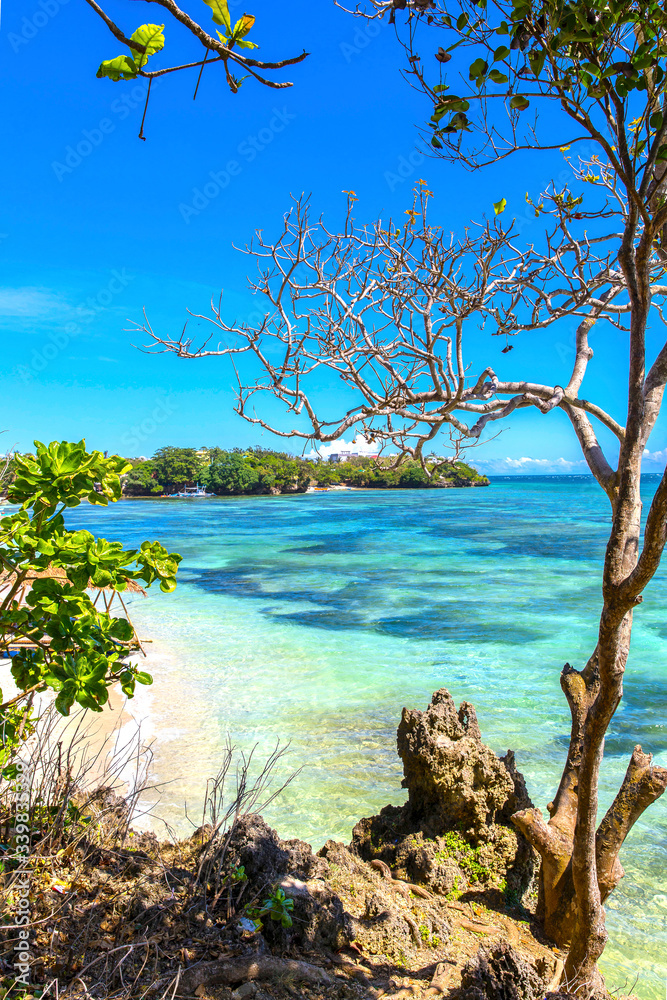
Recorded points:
(384, 918)
(319, 920)
(266, 858)
(460, 795)
(361, 924)
(337, 898)
(499, 972)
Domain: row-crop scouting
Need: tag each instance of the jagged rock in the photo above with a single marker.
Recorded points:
(266, 858)
(319, 919)
(499, 972)
(386, 924)
(455, 783)
(384, 931)
(337, 854)
(454, 780)
(429, 862)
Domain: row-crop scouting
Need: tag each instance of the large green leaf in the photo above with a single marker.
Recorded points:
(151, 36)
(478, 69)
(241, 29)
(243, 26)
(120, 68)
(83, 654)
(220, 12)
(536, 60)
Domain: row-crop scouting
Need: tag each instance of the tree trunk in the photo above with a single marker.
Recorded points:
(580, 865)
(642, 785)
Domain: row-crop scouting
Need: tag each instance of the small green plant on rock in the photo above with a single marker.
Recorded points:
(456, 891)
(278, 907)
(466, 857)
(238, 875)
(428, 937)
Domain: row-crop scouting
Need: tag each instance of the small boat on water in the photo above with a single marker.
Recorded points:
(192, 493)
(329, 489)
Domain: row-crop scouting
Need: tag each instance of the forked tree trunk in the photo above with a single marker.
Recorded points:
(580, 865)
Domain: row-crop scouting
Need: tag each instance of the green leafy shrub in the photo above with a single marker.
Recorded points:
(278, 907)
(54, 634)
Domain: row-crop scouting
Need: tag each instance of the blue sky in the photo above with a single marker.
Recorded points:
(90, 238)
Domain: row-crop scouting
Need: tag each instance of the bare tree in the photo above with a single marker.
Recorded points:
(386, 308)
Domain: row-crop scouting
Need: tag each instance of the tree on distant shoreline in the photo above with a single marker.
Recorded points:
(177, 467)
(386, 309)
(261, 470)
(230, 474)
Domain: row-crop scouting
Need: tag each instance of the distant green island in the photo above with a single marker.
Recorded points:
(257, 471)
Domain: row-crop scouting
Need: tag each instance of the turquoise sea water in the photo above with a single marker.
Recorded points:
(316, 618)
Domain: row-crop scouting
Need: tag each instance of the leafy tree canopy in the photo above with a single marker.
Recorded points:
(176, 467)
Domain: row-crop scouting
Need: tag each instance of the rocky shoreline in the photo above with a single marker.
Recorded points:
(433, 898)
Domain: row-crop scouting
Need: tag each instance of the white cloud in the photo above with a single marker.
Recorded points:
(30, 303)
(544, 466)
(653, 461)
(494, 466)
(657, 458)
(360, 446)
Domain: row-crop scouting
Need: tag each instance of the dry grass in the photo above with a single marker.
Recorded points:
(116, 913)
